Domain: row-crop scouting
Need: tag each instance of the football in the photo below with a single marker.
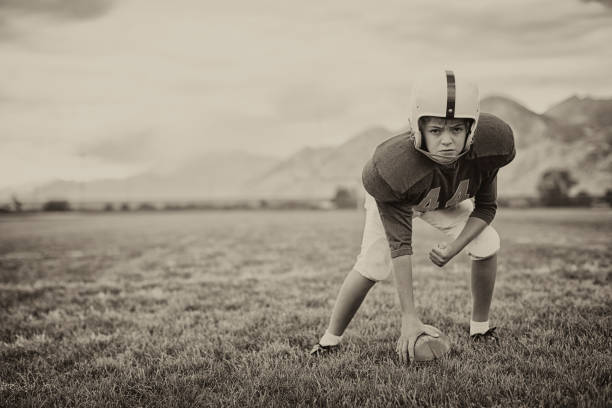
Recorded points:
(429, 348)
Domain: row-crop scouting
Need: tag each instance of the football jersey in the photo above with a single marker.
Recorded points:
(403, 180)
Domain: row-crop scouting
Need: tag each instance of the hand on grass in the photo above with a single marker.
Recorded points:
(411, 330)
(441, 254)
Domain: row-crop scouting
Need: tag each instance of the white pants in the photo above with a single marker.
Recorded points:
(374, 260)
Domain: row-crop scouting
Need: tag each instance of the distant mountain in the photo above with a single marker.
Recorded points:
(213, 175)
(317, 173)
(590, 112)
(552, 141)
(530, 127)
(543, 142)
(575, 135)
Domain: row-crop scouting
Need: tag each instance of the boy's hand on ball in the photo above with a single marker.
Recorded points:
(441, 254)
(411, 330)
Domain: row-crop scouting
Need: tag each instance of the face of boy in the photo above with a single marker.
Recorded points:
(442, 136)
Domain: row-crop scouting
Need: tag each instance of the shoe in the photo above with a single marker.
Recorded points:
(489, 337)
(319, 349)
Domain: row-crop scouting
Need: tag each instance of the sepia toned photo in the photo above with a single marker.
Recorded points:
(305, 204)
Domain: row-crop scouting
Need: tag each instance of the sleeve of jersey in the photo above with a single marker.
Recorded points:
(397, 221)
(396, 217)
(485, 200)
(376, 185)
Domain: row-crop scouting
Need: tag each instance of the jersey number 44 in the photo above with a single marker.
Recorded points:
(430, 202)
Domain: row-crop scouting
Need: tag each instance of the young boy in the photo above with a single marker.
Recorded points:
(451, 155)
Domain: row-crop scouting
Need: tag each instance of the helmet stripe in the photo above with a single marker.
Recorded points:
(450, 94)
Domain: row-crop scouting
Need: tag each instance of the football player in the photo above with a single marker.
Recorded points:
(443, 171)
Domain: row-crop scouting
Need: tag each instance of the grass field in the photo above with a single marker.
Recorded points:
(221, 308)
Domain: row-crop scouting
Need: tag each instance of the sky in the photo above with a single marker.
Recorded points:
(95, 89)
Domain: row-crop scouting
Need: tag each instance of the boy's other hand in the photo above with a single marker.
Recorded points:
(441, 254)
(412, 328)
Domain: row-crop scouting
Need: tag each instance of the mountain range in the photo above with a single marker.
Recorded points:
(575, 134)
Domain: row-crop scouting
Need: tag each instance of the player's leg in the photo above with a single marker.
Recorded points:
(352, 292)
(373, 264)
(483, 274)
(483, 253)
(482, 279)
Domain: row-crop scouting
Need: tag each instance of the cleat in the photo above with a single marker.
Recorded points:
(488, 337)
(319, 349)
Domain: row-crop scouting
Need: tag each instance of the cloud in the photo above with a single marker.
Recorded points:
(15, 15)
(607, 3)
(163, 81)
(5, 29)
(126, 149)
(60, 9)
(506, 30)
(308, 102)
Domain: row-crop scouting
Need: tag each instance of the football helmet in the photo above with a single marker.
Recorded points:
(446, 95)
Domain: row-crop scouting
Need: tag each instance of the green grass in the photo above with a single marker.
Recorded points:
(221, 308)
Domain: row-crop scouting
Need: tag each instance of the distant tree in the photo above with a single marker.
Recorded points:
(56, 205)
(344, 198)
(17, 205)
(146, 207)
(109, 207)
(583, 199)
(608, 197)
(125, 207)
(554, 186)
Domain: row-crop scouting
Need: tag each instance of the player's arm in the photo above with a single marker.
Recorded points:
(411, 325)
(485, 207)
(397, 221)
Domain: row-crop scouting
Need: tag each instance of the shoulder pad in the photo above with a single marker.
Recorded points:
(400, 164)
(493, 144)
(375, 185)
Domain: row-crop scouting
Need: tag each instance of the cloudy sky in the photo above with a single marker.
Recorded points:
(101, 88)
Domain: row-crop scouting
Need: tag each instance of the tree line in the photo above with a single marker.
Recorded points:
(553, 190)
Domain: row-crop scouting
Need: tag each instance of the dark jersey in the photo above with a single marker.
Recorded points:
(403, 180)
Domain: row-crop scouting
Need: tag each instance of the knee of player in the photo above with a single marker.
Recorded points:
(485, 245)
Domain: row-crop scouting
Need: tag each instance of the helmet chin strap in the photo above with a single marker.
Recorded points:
(440, 159)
